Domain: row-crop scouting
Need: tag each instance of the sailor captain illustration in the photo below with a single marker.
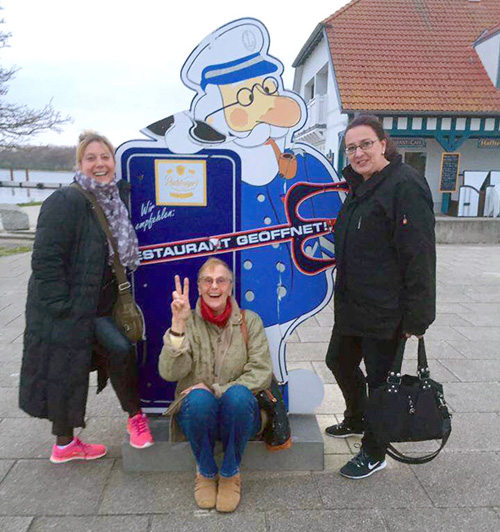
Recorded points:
(240, 102)
(241, 105)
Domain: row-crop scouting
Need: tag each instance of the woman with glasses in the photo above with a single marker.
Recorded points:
(220, 358)
(385, 286)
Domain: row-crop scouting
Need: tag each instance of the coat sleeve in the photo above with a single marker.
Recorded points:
(258, 370)
(415, 241)
(54, 242)
(175, 361)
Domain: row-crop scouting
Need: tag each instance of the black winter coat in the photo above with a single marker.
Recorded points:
(69, 263)
(386, 254)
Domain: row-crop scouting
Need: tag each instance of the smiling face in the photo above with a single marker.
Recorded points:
(216, 292)
(98, 162)
(366, 162)
(256, 101)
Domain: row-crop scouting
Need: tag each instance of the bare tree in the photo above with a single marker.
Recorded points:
(19, 122)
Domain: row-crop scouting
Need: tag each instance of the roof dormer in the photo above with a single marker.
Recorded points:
(488, 49)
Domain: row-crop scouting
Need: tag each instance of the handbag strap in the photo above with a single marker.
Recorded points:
(423, 367)
(417, 460)
(422, 364)
(244, 332)
(244, 328)
(118, 269)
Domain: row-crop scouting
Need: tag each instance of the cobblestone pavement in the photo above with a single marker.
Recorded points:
(459, 491)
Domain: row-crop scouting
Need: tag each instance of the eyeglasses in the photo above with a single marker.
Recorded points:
(219, 281)
(245, 96)
(365, 145)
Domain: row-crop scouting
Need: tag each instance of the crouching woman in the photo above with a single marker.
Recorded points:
(219, 359)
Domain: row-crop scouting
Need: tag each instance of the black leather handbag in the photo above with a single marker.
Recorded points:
(277, 433)
(409, 408)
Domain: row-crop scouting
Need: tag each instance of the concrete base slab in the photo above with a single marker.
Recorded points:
(306, 453)
(453, 230)
(19, 238)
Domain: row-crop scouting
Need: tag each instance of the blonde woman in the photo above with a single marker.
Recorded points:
(68, 311)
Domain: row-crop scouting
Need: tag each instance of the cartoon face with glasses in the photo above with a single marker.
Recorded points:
(256, 101)
(240, 104)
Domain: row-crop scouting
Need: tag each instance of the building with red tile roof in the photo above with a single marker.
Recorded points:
(430, 69)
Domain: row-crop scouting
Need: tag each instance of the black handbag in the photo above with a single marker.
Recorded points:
(409, 408)
(277, 433)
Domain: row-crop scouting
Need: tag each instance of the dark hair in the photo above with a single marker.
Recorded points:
(373, 122)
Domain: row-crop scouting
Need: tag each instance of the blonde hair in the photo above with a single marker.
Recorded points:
(212, 263)
(88, 136)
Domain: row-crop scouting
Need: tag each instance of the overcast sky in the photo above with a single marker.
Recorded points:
(114, 65)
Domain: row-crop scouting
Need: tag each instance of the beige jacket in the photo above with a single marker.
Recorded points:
(217, 357)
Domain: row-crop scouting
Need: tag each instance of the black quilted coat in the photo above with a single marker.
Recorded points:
(68, 263)
(386, 254)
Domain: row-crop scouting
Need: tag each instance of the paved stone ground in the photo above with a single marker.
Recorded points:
(11, 244)
(459, 491)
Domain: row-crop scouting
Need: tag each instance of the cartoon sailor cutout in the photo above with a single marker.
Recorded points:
(241, 105)
(240, 101)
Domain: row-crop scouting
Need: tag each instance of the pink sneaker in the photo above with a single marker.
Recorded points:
(77, 450)
(138, 428)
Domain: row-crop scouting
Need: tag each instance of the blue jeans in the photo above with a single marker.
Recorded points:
(234, 419)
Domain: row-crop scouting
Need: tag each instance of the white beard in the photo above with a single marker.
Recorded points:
(258, 160)
(178, 139)
(258, 164)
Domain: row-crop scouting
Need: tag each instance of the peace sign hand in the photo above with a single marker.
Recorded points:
(180, 306)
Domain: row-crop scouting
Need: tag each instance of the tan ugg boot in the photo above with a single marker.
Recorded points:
(229, 493)
(205, 491)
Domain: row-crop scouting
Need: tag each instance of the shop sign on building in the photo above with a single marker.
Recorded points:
(410, 143)
(488, 143)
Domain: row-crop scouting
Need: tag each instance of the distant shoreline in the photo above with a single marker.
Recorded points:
(2, 167)
(38, 158)
(15, 195)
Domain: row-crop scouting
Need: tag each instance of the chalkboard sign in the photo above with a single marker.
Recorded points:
(450, 163)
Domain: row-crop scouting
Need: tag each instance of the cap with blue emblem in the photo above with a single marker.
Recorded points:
(233, 53)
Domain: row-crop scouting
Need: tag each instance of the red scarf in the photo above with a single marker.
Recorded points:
(208, 314)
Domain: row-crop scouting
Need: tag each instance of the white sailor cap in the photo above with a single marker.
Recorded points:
(247, 67)
(234, 52)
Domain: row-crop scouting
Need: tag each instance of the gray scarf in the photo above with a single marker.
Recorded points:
(108, 197)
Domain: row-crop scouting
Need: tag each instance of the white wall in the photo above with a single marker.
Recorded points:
(472, 159)
(489, 53)
(313, 64)
(319, 62)
(477, 159)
